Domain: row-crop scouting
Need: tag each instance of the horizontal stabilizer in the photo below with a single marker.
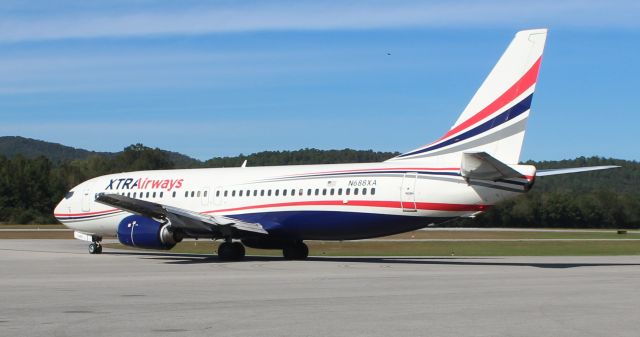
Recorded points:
(482, 166)
(553, 172)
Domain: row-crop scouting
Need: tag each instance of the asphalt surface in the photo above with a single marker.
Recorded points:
(55, 288)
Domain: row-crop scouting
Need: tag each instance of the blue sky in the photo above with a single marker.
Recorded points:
(212, 78)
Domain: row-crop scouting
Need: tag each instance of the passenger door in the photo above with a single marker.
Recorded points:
(408, 192)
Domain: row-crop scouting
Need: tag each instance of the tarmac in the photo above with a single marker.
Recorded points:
(55, 288)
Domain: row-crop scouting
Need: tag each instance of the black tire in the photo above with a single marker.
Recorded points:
(99, 251)
(296, 251)
(226, 251)
(239, 251)
(93, 248)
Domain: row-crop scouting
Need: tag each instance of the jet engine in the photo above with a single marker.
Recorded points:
(143, 232)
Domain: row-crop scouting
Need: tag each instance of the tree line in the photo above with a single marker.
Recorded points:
(31, 187)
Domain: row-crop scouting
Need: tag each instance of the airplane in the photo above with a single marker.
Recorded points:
(473, 166)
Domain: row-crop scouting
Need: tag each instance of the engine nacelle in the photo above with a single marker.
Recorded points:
(142, 232)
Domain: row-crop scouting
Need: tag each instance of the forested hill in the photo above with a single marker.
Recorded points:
(11, 146)
(30, 187)
(30, 148)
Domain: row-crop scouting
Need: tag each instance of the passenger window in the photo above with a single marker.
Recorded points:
(317, 191)
(233, 193)
(277, 192)
(226, 193)
(193, 193)
(348, 191)
(255, 193)
(284, 193)
(154, 194)
(217, 193)
(355, 191)
(147, 194)
(205, 194)
(161, 194)
(173, 194)
(240, 193)
(324, 191)
(198, 194)
(340, 191)
(293, 192)
(248, 193)
(269, 193)
(373, 191)
(186, 194)
(364, 191)
(134, 194)
(262, 193)
(128, 194)
(333, 190)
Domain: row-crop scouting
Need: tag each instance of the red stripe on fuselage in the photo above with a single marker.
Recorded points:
(87, 213)
(367, 203)
(430, 206)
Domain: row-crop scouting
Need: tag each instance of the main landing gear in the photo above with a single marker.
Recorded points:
(295, 251)
(231, 251)
(234, 251)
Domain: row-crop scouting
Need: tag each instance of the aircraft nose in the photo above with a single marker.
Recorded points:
(63, 208)
(59, 210)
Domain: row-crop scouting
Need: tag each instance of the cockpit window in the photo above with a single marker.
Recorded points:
(68, 195)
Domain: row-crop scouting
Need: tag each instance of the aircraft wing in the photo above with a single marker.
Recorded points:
(185, 219)
(553, 172)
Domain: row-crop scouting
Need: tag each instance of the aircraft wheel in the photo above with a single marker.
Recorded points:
(296, 251)
(239, 250)
(95, 248)
(231, 251)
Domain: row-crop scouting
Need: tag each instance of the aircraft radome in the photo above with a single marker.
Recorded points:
(471, 167)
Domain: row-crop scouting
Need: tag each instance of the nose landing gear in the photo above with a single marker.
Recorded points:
(95, 248)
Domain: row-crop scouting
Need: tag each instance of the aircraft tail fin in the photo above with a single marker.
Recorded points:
(495, 119)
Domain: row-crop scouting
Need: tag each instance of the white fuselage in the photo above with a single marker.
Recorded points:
(332, 202)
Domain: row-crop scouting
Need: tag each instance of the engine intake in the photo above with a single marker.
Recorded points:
(143, 232)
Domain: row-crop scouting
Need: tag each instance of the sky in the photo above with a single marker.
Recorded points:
(220, 78)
